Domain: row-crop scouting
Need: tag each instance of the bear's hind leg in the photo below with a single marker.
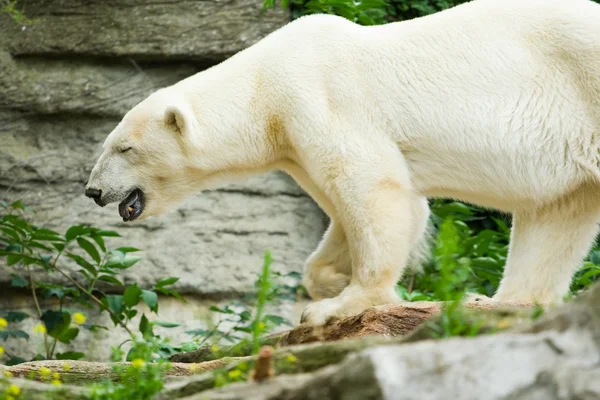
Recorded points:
(546, 247)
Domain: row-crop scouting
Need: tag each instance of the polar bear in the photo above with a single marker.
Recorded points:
(493, 102)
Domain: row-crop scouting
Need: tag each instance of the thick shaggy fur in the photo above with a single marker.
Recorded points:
(494, 102)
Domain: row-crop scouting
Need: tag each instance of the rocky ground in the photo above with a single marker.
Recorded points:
(393, 352)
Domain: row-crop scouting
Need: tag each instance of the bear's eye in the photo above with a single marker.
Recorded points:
(126, 150)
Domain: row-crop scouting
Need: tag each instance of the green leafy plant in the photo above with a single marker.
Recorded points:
(448, 287)
(10, 7)
(408, 9)
(253, 323)
(589, 272)
(244, 323)
(480, 250)
(142, 379)
(365, 12)
(29, 250)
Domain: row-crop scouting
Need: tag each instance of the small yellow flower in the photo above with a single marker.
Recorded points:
(292, 358)
(40, 329)
(504, 323)
(235, 373)
(138, 363)
(1, 350)
(8, 374)
(56, 382)
(3, 324)
(261, 325)
(214, 348)
(45, 372)
(66, 367)
(13, 390)
(79, 318)
(56, 376)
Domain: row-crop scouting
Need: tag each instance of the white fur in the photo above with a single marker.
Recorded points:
(494, 102)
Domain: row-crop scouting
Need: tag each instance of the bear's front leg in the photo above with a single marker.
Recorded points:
(372, 195)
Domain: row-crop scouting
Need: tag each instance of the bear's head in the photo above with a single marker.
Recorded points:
(147, 160)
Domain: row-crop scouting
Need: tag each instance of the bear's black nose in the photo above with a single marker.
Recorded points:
(93, 193)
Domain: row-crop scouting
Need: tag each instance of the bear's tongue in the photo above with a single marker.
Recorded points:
(133, 205)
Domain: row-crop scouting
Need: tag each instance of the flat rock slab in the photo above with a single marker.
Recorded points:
(390, 320)
(544, 366)
(84, 372)
(155, 29)
(387, 320)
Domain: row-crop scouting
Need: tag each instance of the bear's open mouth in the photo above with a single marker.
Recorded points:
(133, 205)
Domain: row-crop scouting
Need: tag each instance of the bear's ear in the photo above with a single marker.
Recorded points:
(175, 119)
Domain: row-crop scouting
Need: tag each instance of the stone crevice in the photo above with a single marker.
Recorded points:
(250, 192)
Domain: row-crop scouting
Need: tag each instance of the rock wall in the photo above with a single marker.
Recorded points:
(66, 81)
